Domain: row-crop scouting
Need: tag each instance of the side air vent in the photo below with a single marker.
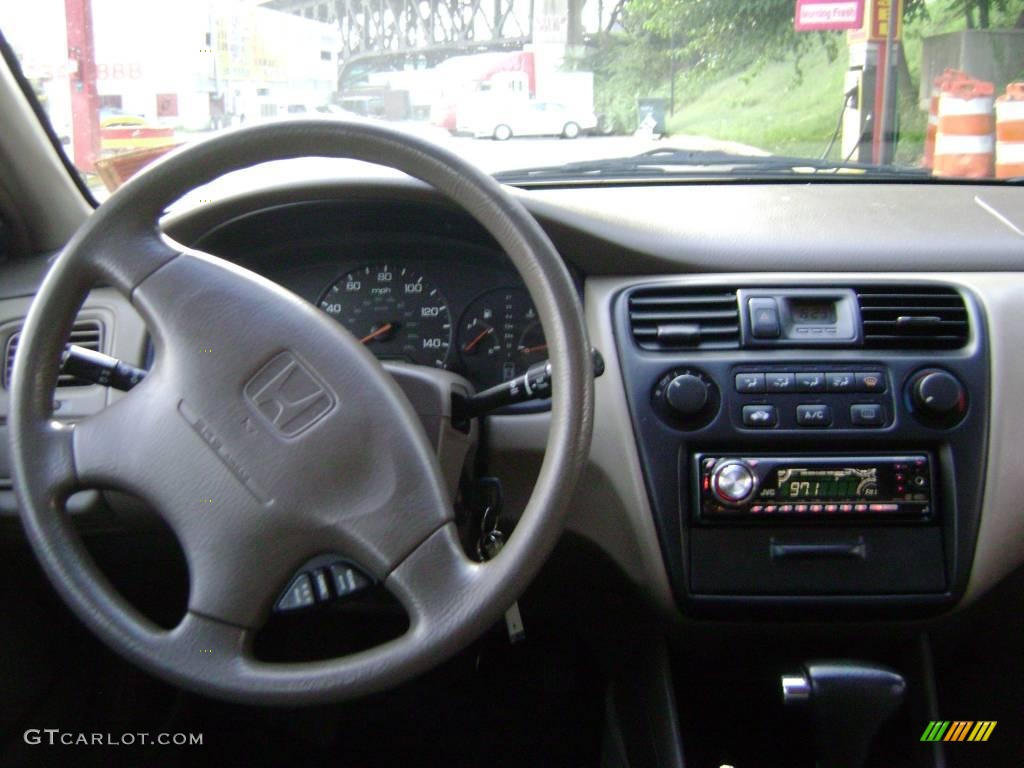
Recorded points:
(86, 333)
(685, 318)
(912, 317)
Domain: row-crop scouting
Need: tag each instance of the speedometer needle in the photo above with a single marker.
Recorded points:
(379, 332)
(479, 337)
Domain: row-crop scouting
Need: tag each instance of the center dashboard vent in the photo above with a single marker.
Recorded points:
(86, 333)
(912, 317)
(685, 318)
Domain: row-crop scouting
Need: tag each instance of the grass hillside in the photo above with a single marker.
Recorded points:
(775, 107)
(770, 106)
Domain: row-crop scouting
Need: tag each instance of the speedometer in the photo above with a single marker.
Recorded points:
(394, 311)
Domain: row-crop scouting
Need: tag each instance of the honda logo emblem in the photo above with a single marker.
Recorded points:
(288, 395)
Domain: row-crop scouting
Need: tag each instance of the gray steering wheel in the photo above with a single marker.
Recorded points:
(264, 444)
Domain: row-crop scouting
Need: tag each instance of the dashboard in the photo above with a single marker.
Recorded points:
(801, 396)
(677, 301)
(413, 288)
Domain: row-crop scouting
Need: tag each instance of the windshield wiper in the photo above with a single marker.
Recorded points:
(668, 162)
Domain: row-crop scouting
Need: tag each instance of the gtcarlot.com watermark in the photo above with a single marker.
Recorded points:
(56, 737)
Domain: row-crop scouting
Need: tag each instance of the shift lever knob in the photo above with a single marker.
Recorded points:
(849, 702)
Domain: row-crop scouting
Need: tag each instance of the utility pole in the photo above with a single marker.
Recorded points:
(85, 100)
(887, 121)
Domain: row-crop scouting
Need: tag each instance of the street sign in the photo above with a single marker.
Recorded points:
(820, 15)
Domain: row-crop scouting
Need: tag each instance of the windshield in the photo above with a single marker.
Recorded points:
(548, 90)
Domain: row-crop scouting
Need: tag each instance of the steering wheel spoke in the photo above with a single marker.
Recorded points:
(119, 446)
(429, 579)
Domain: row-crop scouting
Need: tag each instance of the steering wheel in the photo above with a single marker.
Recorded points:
(265, 434)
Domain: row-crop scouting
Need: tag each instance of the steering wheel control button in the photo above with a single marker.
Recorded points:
(750, 383)
(347, 580)
(687, 394)
(323, 592)
(840, 382)
(764, 319)
(810, 382)
(299, 594)
(780, 382)
(867, 415)
(733, 482)
(760, 416)
(872, 381)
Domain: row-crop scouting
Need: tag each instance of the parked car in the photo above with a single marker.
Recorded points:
(531, 118)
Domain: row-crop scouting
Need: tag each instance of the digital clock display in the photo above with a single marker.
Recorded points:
(827, 484)
(813, 312)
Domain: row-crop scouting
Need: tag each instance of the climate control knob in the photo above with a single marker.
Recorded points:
(733, 482)
(687, 394)
(938, 396)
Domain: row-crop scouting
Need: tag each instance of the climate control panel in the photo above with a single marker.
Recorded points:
(805, 398)
(838, 396)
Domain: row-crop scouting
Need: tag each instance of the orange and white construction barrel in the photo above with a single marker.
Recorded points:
(946, 78)
(1010, 132)
(965, 140)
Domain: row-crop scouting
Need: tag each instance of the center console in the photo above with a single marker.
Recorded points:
(808, 444)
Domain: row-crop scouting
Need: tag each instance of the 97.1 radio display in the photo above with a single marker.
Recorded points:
(814, 487)
(803, 483)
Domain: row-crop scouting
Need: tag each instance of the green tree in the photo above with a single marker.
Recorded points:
(978, 14)
(711, 34)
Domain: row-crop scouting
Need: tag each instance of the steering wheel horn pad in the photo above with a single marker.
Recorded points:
(265, 443)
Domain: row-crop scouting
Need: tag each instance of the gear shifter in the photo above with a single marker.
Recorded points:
(849, 702)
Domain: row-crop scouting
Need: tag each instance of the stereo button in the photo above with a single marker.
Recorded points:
(733, 482)
(884, 507)
(813, 415)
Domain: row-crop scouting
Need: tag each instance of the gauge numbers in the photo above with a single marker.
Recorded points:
(394, 311)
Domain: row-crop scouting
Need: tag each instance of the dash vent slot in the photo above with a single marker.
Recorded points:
(86, 333)
(912, 317)
(685, 318)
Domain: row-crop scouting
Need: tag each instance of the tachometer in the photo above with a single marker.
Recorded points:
(395, 312)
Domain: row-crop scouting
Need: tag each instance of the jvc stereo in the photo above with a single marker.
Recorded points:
(751, 486)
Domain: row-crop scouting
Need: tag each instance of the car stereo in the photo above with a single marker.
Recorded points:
(751, 486)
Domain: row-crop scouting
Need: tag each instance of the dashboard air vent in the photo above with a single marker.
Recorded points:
(685, 318)
(86, 333)
(912, 317)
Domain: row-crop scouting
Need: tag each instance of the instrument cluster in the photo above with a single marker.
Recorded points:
(400, 313)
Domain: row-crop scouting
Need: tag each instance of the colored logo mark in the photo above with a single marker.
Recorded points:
(958, 730)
